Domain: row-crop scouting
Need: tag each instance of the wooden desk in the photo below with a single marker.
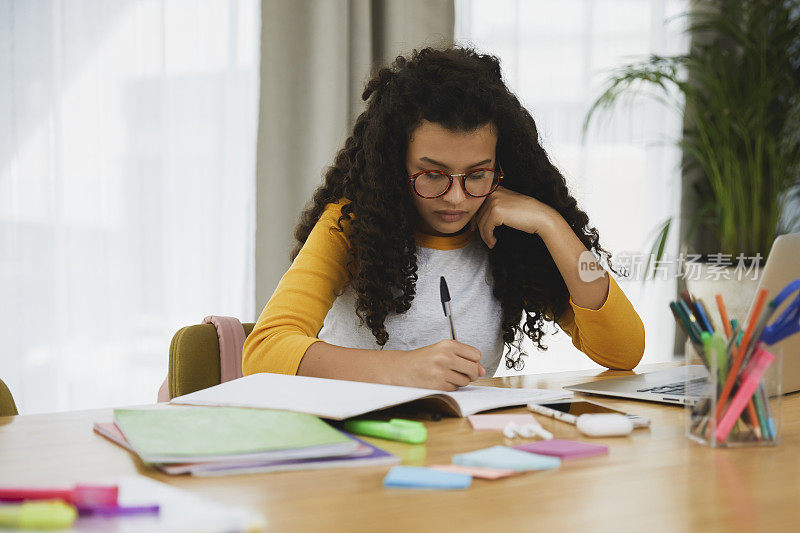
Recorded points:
(655, 480)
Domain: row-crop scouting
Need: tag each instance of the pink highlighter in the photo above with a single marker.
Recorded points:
(79, 496)
(752, 377)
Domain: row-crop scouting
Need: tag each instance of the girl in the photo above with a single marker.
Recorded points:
(443, 175)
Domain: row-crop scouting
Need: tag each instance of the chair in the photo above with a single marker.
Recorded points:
(194, 358)
(7, 405)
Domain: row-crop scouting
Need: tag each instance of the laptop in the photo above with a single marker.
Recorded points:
(669, 386)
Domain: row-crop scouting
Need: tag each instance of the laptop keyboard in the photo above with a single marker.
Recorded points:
(697, 387)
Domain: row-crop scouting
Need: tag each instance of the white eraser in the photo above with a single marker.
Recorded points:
(528, 430)
(511, 430)
(604, 425)
(546, 435)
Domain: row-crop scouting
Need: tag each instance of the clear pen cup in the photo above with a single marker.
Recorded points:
(745, 412)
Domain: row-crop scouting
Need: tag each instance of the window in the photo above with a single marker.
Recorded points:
(127, 178)
(555, 56)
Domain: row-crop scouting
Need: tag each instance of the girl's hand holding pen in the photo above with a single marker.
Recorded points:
(505, 207)
(446, 365)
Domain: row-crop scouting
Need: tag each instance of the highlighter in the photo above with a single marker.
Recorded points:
(45, 514)
(80, 495)
(395, 429)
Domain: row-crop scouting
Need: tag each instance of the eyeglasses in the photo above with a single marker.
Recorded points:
(435, 183)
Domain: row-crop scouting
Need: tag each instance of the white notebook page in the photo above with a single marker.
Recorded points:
(339, 399)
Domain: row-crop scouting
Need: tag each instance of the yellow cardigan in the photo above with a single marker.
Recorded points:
(612, 335)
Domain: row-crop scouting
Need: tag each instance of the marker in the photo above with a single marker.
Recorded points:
(761, 414)
(395, 429)
(723, 314)
(739, 356)
(707, 350)
(677, 311)
(118, 510)
(719, 349)
(770, 421)
(38, 515)
(754, 373)
(693, 325)
(702, 317)
(80, 495)
(448, 312)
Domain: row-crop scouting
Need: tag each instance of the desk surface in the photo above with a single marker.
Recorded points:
(654, 480)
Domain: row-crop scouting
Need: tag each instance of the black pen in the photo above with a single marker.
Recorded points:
(448, 312)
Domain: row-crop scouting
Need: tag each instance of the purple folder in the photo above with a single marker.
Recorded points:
(366, 455)
(565, 449)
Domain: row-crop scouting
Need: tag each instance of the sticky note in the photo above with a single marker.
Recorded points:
(498, 422)
(505, 458)
(418, 477)
(565, 449)
(475, 471)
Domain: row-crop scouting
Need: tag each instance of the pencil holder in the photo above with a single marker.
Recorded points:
(733, 396)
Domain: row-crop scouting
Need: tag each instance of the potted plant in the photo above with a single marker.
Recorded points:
(738, 88)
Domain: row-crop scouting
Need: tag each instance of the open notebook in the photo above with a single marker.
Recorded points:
(338, 399)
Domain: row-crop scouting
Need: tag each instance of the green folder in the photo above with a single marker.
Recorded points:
(221, 434)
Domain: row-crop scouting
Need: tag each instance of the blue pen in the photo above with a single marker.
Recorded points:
(703, 318)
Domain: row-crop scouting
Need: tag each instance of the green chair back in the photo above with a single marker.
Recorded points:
(194, 358)
(7, 405)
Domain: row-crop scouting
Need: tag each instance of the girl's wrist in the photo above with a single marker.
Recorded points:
(389, 372)
(552, 224)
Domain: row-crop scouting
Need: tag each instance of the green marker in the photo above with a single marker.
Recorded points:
(719, 350)
(52, 514)
(716, 354)
(681, 313)
(694, 327)
(395, 429)
(705, 338)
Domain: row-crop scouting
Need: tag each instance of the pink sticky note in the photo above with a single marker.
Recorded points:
(498, 422)
(565, 449)
(474, 471)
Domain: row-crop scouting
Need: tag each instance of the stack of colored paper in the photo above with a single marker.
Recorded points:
(505, 458)
(220, 441)
(495, 462)
(564, 449)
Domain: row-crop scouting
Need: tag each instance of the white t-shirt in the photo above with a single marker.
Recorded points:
(477, 314)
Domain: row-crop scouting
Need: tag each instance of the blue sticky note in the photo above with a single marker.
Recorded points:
(418, 477)
(506, 458)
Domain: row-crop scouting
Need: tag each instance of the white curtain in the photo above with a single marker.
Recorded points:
(626, 176)
(316, 57)
(127, 189)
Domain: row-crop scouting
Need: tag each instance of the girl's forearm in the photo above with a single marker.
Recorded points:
(568, 252)
(323, 360)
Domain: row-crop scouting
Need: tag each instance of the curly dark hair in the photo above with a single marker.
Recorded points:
(461, 90)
